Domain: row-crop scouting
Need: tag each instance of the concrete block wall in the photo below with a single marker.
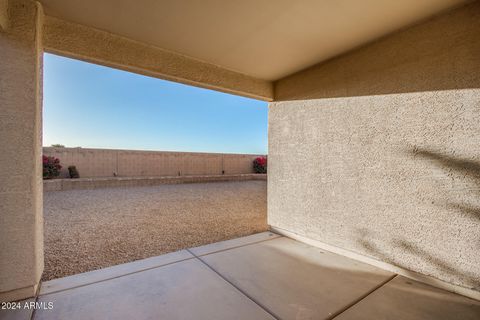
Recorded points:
(93, 163)
(376, 152)
(128, 182)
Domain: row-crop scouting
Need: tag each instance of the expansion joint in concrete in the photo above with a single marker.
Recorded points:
(266, 309)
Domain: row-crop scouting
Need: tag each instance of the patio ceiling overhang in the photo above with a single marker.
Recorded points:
(240, 47)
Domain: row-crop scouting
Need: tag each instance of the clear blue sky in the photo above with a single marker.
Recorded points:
(87, 105)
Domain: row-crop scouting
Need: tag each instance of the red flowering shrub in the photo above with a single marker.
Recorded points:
(51, 167)
(260, 165)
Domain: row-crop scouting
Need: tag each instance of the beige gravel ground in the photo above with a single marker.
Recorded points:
(92, 229)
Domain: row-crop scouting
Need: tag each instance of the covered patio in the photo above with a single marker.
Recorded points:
(373, 159)
(262, 276)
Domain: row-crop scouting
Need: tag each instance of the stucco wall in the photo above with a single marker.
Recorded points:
(129, 163)
(21, 224)
(377, 151)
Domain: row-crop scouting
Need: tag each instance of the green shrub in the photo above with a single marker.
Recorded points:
(73, 172)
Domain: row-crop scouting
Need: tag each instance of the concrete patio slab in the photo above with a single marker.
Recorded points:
(18, 314)
(86, 278)
(263, 276)
(405, 299)
(296, 281)
(234, 243)
(182, 290)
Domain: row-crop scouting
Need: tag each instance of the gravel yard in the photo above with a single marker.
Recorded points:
(91, 229)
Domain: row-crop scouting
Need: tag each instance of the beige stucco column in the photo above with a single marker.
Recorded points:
(21, 221)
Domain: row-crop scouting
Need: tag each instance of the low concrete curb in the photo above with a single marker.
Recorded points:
(113, 182)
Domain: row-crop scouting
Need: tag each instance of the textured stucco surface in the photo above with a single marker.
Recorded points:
(93, 163)
(439, 54)
(377, 151)
(3, 14)
(21, 235)
(89, 44)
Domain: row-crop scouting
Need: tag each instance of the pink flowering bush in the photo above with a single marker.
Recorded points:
(260, 165)
(51, 167)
